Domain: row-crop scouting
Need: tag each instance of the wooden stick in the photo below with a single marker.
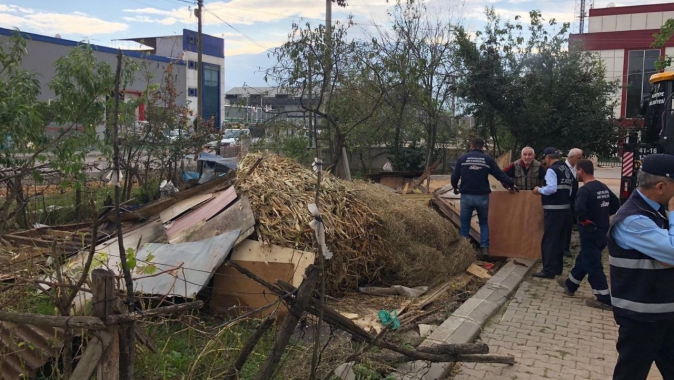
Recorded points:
(462, 348)
(248, 348)
(72, 322)
(302, 300)
(92, 356)
(138, 315)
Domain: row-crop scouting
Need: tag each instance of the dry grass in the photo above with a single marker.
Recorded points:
(376, 236)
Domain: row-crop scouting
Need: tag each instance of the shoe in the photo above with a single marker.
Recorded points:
(484, 251)
(595, 303)
(567, 254)
(543, 275)
(562, 282)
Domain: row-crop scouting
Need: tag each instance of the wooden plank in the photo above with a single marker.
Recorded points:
(238, 215)
(183, 206)
(234, 293)
(155, 208)
(423, 177)
(478, 271)
(407, 186)
(451, 208)
(201, 214)
(515, 224)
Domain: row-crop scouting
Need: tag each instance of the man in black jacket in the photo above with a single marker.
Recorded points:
(595, 203)
(473, 169)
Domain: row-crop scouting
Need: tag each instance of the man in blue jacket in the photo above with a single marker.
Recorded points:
(473, 169)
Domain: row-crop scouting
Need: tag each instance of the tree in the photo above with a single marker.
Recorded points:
(535, 90)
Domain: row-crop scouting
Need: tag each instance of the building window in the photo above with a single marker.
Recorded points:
(191, 91)
(192, 65)
(640, 67)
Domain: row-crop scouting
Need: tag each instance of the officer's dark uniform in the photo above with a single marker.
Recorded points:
(595, 203)
(556, 219)
(642, 290)
(574, 219)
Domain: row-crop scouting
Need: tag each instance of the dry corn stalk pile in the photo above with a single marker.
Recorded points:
(376, 236)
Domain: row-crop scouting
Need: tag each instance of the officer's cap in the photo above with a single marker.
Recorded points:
(659, 164)
(550, 150)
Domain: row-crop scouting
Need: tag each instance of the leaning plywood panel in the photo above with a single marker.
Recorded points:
(515, 224)
(234, 293)
(200, 215)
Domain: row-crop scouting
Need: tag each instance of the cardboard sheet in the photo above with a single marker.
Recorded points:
(515, 224)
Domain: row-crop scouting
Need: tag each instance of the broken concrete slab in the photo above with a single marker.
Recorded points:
(426, 330)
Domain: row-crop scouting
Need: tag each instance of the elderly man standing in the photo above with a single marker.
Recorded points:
(572, 158)
(526, 172)
(555, 196)
(641, 256)
(473, 169)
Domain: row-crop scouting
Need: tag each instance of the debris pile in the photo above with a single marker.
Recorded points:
(377, 237)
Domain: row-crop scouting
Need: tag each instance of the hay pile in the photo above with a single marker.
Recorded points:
(376, 236)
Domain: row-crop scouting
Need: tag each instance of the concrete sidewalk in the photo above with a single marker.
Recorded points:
(552, 336)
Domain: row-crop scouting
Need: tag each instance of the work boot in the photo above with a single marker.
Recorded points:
(542, 274)
(561, 281)
(484, 251)
(595, 303)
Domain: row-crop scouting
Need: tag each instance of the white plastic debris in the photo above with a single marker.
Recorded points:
(167, 188)
(319, 228)
(388, 167)
(317, 165)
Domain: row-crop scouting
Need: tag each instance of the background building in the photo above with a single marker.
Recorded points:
(257, 105)
(159, 52)
(622, 36)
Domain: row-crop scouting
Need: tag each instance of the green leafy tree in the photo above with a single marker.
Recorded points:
(526, 87)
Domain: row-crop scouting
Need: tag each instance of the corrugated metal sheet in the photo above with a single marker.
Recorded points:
(24, 349)
(197, 261)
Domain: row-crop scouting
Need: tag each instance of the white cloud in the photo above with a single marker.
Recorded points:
(162, 21)
(52, 22)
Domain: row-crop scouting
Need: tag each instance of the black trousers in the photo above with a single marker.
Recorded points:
(557, 223)
(642, 343)
(588, 263)
(567, 243)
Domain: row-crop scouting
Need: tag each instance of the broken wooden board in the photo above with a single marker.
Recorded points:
(457, 282)
(451, 209)
(155, 208)
(239, 215)
(515, 224)
(234, 293)
(201, 215)
(184, 206)
(478, 271)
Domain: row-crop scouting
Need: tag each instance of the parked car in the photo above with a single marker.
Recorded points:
(230, 137)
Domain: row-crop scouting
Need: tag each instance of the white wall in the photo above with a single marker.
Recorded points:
(636, 21)
(614, 62)
(171, 46)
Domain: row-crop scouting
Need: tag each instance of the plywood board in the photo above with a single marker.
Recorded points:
(237, 216)
(392, 182)
(202, 214)
(515, 224)
(478, 271)
(235, 294)
(184, 206)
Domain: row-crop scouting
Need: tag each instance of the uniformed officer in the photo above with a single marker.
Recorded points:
(595, 203)
(572, 158)
(473, 169)
(641, 248)
(556, 213)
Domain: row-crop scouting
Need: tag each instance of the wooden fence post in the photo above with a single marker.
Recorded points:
(104, 301)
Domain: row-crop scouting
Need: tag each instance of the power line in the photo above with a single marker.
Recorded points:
(237, 30)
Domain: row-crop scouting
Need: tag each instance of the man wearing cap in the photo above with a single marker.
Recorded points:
(473, 169)
(595, 203)
(572, 158)
(641, 248)
(556, 213)
(526, 172)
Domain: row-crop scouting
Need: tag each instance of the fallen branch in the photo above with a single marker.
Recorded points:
(71, 322)
(138, 315)
(463, 348)
(248, 348)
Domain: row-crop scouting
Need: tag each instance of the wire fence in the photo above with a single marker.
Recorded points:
(612, 162)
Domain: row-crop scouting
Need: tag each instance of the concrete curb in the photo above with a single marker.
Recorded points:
(465, 324)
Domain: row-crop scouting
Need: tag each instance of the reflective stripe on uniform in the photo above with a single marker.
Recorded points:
(604, 292)
(639, 307)
(556, 207)
(573, 279)
(475, 164)
(635, 263)
(564, 187)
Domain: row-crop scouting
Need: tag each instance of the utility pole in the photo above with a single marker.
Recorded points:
(200, 69)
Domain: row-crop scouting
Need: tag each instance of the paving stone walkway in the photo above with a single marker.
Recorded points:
(552, 336)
